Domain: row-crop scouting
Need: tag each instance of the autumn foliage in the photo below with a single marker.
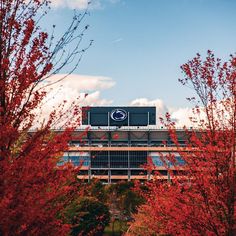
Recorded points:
(33, 190)
(200, 200)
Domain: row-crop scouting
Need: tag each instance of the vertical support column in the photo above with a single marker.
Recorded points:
(109, 138)
(89, 170)
(148, 118)
(149, 171)
(89, 175)
(129, 139)
(168, 172)
(89, 138)
(108, 120)
(148, 137)
(129, 145)
(109, 168)
(109, 157)
(129, 171)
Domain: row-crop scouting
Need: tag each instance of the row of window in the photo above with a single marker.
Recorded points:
(161, 161)
(126, 172)
(126, 143)
(118, 159)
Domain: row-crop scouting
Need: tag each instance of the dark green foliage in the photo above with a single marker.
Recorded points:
(98, 191)
(123, 198)
(130, 202)
(87, 216)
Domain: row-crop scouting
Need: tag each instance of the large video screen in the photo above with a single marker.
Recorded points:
(119, 116)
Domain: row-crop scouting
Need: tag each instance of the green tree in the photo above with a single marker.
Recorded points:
(87, 216)
(97, 190)
(123, 199)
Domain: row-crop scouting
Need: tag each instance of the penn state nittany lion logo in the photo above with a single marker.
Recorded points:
(118, 115)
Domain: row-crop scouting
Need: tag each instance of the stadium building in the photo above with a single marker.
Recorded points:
(115, 143)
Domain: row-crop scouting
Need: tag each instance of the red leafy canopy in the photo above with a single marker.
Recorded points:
(202, 201)
(33, 189)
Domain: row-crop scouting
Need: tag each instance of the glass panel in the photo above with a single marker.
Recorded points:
(119, 159)
(138, 159)
(99, 159)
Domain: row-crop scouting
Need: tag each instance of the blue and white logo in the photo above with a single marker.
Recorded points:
(118, 115)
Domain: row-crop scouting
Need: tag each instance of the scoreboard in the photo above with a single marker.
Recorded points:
(119, 116)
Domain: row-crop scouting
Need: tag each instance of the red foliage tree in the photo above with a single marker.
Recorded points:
(202, 200)
(33, 190)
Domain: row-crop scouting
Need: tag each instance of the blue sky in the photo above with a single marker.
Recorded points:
(139, 45)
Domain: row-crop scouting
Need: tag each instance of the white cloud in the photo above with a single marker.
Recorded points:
(87, 88)
(161, 109)
(222, 111)
(181, 116)
(78, 4)
(80, 83)
(82, 4)
(83, 89)
(94, 99)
